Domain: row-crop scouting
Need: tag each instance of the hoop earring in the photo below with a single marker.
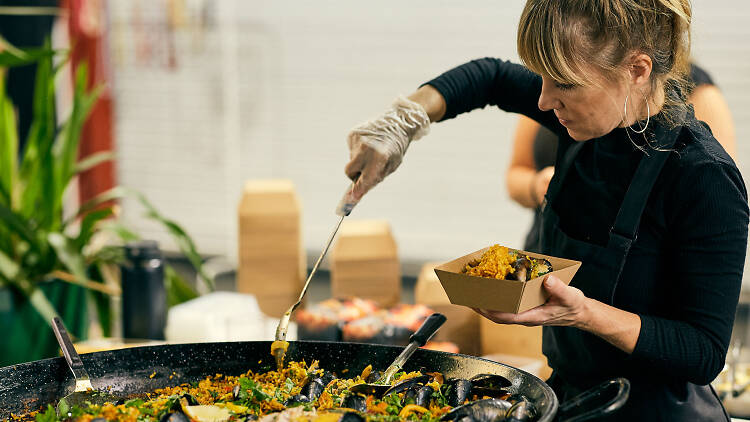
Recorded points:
(648, 114)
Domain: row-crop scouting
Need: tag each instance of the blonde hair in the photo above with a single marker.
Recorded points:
(557, 37)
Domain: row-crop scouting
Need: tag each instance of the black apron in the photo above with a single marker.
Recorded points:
(580, 359)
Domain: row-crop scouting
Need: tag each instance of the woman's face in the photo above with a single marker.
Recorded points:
(587, 112)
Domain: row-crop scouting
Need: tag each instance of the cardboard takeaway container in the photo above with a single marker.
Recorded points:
(462, 324)
(271, 255)
(364, 262)
(499, 295)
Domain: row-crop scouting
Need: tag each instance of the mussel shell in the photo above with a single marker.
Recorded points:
(297, 398)
(351, 417)
(515, 398)
(424, 394)
(313, 388)
(458, 391)
(405, 384)
(357, 402)
(410, 395)
(174, 417)
(327, 377)
(542, 266)
(490, 381)
(480, 392)
(521, 269)
(521, 411)
(480, 411)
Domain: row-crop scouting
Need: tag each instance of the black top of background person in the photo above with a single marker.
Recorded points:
(684, 271)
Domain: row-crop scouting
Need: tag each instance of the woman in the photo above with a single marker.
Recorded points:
(534, 148)
(642, 194)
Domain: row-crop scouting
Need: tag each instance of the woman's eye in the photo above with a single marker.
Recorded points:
(564, 87)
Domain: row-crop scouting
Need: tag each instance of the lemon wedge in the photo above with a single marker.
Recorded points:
(207, 413)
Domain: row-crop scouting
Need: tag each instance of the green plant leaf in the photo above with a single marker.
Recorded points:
(49, 415)
(4, 195)
(94, 160)
(8, 146)
(88, 225)
(119, 229)
(42, 305)
(66, 145)
(178, 291)
(68, 253)
(117, 192)
(11, 56)
(183, 240)
(17, 225)
(8, 268)
(107, 255)
(40, 197)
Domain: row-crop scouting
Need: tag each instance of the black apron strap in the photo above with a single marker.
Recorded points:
(561, 170)
(624, 231)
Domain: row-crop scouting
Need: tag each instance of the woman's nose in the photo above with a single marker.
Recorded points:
(548, 99)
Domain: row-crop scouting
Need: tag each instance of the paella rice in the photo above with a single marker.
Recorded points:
(503, 263)
(297, 392)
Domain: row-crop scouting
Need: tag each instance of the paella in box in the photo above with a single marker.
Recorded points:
(510, 280)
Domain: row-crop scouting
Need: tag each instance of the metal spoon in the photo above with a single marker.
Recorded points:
(84, 393)
(279, 346)
(428, 328)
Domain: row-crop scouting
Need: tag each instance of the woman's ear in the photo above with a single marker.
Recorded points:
(640, 69)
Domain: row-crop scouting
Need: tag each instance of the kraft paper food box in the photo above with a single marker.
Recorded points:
(499, 295)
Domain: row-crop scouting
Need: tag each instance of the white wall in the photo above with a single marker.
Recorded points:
(272, 90)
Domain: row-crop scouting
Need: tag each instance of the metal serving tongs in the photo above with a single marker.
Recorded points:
(279, 346)
(84, 391)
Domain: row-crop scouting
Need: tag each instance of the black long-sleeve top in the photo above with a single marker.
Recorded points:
(683, 274)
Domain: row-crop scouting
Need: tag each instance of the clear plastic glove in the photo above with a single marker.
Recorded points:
(377, 147)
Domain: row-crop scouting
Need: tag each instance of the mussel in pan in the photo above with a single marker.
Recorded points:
(479, 411)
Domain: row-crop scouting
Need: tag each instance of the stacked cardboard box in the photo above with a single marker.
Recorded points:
(364, 262)
(513, 340)
(462, 324)
(271, 255)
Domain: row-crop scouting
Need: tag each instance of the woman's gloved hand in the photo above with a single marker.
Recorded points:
(377, 147)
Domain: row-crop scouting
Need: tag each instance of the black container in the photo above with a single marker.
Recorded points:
(323, 332)
(144, 298)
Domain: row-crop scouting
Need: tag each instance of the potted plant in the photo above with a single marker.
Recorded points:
(54, 262)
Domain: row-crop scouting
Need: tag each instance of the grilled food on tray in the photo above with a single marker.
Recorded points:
(323, 321)
(505, 264)
(307, 393)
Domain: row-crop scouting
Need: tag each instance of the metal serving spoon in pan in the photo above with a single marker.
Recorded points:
(428, 328)
(84, 392)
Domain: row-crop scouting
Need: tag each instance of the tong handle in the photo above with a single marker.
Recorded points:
(347, 202)
(71, 356)
(428, 328)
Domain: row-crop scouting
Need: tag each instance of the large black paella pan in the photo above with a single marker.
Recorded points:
(29, 386)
